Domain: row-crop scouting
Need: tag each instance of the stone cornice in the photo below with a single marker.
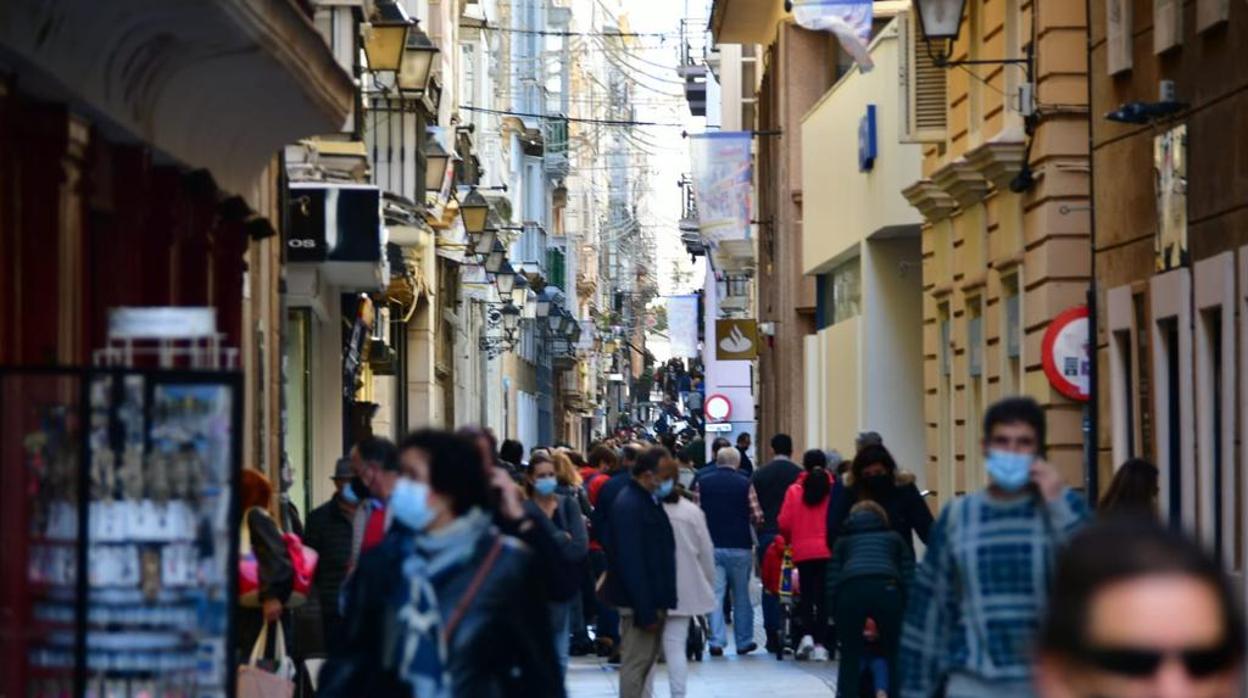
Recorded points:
(998, 161)
(930, 200)
(961, 181)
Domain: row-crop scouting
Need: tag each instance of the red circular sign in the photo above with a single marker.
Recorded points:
(1064, 353)
(717, 408)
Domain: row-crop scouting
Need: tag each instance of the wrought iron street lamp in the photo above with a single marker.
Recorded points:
(941, 22)
(385, 37)
(494, 260)
(417, 64)
(511, 318)
(473, 210)
(506, 281)
(567, 322)
(485, 241)
(530, 306)
(543, 306)
(520, 291)
(554, 319)
(436, 162)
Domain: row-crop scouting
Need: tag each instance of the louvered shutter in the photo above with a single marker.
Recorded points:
(924, 97)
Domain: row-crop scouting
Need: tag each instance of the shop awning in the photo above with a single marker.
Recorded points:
(220, 85)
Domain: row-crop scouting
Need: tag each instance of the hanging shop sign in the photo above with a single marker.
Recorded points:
(1064, 354)
(722, 183)
(717, 408)
(736, 339)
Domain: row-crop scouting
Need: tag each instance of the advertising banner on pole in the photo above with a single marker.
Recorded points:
(849, 20)
(722, 180)
(682, 325)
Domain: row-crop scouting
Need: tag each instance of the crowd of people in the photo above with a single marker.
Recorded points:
(454, 566)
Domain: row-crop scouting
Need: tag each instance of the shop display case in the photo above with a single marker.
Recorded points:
(130, 476)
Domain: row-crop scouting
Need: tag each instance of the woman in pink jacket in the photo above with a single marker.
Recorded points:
(804, 522)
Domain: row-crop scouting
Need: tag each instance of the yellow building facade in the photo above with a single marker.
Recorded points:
(1004, 197)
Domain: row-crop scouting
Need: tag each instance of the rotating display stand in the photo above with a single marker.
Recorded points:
(119, 526)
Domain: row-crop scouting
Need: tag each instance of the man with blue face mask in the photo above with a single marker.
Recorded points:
(983, 586)
(641, 569)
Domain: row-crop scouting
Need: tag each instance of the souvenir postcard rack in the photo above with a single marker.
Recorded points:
(118, 531)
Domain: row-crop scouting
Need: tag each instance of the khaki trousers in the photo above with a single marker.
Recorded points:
(638, 654)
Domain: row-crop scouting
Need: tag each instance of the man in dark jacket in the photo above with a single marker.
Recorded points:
(329, 534)
(641, 577)
(716, 445)
(771, 482)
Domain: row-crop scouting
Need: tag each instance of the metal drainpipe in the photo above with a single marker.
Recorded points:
(1091, 475)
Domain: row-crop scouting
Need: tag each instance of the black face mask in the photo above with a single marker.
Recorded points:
(879, 484)
(359, 488)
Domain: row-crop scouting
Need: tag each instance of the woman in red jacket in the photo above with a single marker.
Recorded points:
(804, 522)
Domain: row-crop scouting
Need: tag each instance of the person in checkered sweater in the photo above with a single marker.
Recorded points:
(981, 591)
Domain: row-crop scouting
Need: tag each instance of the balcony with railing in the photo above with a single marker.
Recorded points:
(555, 134)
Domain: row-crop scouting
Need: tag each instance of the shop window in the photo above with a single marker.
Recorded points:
(1172, 397)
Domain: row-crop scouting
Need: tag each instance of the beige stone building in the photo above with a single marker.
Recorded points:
(998, 264)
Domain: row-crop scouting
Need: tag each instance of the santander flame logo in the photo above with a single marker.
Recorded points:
(736, 342)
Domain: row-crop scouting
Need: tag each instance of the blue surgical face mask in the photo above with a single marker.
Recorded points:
(348, 495)
(1009, 471)
(665, 488)
(545, 485)
(409, 504)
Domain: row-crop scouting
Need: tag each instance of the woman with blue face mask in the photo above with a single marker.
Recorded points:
(442, 606)
(567, 525)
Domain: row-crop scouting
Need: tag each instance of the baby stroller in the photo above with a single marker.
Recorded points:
(780, 577)
(695, 643)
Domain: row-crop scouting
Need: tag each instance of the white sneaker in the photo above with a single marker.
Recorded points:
(805, 647)
(820, 654)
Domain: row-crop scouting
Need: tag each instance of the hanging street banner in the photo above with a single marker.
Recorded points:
(722, 181)
(849, 20)
(682, 325)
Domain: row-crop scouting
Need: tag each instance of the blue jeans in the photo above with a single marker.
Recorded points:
(877, 667)
(559, 613)
(732, 571)
(771, 602)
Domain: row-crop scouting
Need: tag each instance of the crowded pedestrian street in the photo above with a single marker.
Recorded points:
(623, 348)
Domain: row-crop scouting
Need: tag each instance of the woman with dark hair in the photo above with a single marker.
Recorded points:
(444, 606)
(802, 522)
(261, 537)
(1139, 611)
(874, 475)
(1133, 490)
(567, 525)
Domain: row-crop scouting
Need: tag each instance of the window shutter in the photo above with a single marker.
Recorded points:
(924, 98)
(1120, 18)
